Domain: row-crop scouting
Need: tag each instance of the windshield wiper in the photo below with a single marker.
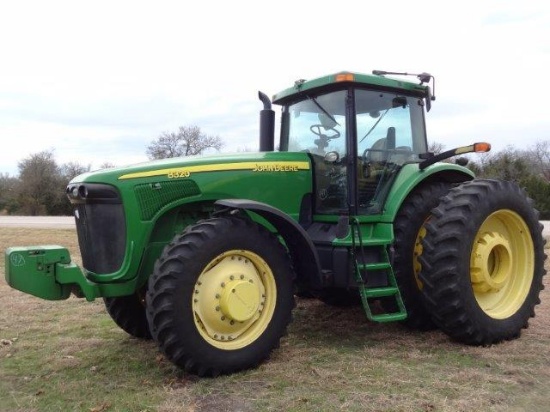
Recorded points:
(323, 109)
(374, 125)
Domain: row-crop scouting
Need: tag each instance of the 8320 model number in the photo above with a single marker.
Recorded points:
(178, 174)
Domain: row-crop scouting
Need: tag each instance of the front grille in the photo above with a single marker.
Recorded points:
(101, 228)
(152, 197)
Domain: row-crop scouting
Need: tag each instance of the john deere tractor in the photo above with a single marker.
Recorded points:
(206, 254)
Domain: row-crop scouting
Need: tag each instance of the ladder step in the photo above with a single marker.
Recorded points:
(366, 293)
(381, 292)
(374, 266)
(389, 317)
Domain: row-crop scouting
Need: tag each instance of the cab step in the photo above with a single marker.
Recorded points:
(367, 293)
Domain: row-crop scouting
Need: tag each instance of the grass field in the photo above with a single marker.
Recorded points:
(70, 356)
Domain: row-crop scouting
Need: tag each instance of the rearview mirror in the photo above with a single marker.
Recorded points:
(399, 102)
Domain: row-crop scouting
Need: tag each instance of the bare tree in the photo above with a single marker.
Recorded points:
(8, 187)
(73, 169)
(436, 147)
(187, 141)
(541, 157)
(40, 190)
(107, 165)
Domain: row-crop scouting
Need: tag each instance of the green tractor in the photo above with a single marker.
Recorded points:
(206, 255)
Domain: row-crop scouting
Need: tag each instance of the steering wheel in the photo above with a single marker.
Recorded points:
(316, 130)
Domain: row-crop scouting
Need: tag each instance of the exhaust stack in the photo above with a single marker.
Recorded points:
(267, 125)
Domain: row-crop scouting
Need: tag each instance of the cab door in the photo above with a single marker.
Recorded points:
(390, 132)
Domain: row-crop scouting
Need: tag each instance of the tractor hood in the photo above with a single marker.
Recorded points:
(280, 179)
(190, 167)
(145, 201)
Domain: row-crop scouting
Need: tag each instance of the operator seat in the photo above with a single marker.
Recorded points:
(371, 166)
(377, 152)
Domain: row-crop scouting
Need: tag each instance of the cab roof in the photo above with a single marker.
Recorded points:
(302, 87)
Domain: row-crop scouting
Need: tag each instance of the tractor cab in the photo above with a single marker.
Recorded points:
(359, 131)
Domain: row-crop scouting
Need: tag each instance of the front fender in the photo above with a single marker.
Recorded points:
(301, 249)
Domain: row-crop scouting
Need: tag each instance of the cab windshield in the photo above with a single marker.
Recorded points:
(379, 130)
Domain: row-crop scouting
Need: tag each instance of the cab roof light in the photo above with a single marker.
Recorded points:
(345, 77)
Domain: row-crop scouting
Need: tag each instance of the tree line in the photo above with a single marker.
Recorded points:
(39, 188)
(529, 168)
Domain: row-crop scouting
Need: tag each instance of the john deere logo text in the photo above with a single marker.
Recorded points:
(274, 167)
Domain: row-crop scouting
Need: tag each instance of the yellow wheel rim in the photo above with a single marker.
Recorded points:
(418, 249)
(502, 264)
(234, 299)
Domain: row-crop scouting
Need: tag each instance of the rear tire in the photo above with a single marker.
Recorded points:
(128, 312)
(408, 227)
(221, 296)
(483, 262)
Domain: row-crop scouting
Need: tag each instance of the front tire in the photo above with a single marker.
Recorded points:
(221, 296)
(128, 312)
(483, 262)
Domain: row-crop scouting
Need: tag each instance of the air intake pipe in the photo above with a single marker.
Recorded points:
(267, 125)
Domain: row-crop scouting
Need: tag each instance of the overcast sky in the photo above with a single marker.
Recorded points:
(98, 81)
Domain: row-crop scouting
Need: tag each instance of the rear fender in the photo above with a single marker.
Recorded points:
(410, 178)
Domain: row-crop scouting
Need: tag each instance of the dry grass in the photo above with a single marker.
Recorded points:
(70, 356)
